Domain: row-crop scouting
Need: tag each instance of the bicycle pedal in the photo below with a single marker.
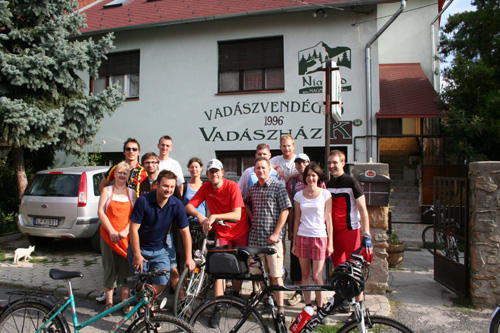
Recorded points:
(162, 303)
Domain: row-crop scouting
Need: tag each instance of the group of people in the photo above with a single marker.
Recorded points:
(145, 225)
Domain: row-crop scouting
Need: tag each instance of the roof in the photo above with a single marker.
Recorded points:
(405, 92)
(135, 14)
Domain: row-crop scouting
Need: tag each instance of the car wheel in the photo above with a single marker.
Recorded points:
(40, 241)
(95, 241)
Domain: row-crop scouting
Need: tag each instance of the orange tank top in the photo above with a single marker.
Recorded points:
(118, 213)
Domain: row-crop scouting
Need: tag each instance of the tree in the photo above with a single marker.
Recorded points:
(43, 101)
(471, 96)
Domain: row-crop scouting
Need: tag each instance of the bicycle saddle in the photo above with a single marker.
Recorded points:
(249, 251)
(57, 274)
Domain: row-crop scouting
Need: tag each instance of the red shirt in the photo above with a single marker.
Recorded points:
(221, 201)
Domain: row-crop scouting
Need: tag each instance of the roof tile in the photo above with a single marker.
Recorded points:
(143, 12)
(405, 92)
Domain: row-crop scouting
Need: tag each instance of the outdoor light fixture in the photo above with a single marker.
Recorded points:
(321, 10)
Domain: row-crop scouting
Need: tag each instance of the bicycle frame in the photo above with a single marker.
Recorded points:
(315, 320)
(199, 258)
(77, 327)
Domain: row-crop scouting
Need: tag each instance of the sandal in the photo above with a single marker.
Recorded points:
(107, 307)
(126, 310)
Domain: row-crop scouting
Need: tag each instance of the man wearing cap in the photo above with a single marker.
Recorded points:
(224, 202)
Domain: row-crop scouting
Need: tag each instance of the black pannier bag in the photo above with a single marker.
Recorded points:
(226, 260)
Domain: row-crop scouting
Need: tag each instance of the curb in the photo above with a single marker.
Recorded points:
(10, 237)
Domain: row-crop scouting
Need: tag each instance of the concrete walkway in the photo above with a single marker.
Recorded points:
(76, 256)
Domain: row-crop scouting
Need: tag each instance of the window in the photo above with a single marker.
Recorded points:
(121, 68)
(390, 126)
(251, 65)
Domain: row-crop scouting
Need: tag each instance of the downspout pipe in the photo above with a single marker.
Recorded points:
(369, 78)
(435, 76)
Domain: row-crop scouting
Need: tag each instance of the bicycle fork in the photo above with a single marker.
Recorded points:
(322, 314)
(327, 309)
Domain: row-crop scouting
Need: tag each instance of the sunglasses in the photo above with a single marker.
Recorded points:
(133, 149)
(154, 162)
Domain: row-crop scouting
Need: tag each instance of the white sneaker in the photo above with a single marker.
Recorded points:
(101, 298)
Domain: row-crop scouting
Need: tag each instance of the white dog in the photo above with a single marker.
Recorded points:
(20, 253)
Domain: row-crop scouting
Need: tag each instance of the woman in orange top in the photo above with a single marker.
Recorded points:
(115, 207)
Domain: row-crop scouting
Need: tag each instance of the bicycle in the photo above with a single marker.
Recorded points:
(495, 321)
(439, 241)
(37, 312)
(238, 315)
(193, 287)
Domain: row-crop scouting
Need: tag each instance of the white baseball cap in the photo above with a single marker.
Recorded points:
(302, 157)
(214, 164)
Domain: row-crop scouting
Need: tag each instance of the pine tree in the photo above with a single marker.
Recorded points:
(43, 100)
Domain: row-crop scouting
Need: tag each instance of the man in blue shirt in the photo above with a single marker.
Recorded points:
(151, 218)
(248, 178)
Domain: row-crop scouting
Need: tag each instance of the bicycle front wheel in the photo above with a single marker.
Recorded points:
(452, 249)
(28, 317)
(162, 323)
(230, 311)
(376, 324)
(192, 289)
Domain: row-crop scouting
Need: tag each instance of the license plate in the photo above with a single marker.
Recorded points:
(43, 222)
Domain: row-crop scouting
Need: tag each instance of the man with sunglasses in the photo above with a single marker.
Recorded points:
(131, 151)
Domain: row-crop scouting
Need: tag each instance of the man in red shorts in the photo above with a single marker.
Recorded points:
(351, 225)
(224, 202)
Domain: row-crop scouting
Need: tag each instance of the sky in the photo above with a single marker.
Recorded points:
(456, 7)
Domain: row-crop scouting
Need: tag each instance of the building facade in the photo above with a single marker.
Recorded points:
(220, 77)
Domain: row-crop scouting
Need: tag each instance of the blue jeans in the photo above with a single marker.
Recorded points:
(171, 251)
(156, 260)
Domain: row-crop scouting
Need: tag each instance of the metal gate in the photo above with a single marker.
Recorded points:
(451, 227)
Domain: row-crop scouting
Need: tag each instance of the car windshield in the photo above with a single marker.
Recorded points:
(54, 185)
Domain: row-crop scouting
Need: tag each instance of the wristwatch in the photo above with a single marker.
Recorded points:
(366, 233)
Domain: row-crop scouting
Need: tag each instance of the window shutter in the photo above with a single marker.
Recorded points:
(120, 64)
(251, 54)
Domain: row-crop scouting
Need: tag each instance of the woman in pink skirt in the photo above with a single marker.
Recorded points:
(313, 229)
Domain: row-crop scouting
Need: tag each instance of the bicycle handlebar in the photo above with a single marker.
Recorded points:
(140, 276)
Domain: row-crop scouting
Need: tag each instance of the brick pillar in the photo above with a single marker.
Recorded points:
(485, 233)
(379, 223)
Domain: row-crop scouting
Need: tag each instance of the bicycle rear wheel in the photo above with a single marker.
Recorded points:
(428, 240)
(231, 311)
(376, 324)
(495, 322)
(162, 323)
(28, 317)
(193, 288)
